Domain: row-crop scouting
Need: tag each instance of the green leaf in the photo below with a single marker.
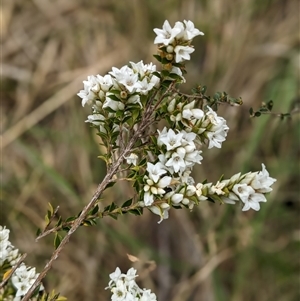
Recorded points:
(137, 211)
(57, 240)
(112, 207)
(59, 222)
(38, 232)
(165, 61)
(158, 57)
(114, 97)
(257, 114)
(70, 219)
(156, 73)
(113, 215)
(165, 73)
(203, 89)
(51, 209)
(104, 158)
(110, 184)
(143, 162)
(127, 203)
(94, 210)
(270, 105)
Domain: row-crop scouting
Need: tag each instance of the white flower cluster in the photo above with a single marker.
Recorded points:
(23, 277)
(119, 100)
(250, 189)
(209, 127)
(119, 88)
(161, 190)
(176, 40)
(9, 254)
(124, 287)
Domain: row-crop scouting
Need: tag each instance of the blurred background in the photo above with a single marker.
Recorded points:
(216, 253)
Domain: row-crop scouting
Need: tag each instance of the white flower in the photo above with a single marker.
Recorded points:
(155, 171)
(190, 30)
(89, 93)
(262, 182)
(105, 82)
(115, 276)
(147, 295)
(23, 278)
(177, 70)
(230, 199)
(113, 104)
(248, 196)
(216, 138)
(162, 210)
(167, 34)
(95, 119)
(217, 189)
(170, 139)
(119, 291)
(191, 114)
(217, 132)
(132, 159)
(129, 80)
(177, 161)
(183, 53)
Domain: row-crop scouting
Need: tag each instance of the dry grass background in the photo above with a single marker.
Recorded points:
(250, 49)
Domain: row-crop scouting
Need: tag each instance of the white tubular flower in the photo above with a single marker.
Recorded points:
(124, 287)
(120, 74)
(120, 292)
(129, 80)
(230, 199)
(155, 171)
(177, 162)
(183, 53)
(162, 210)
(90, 91)
(155, 183)
(23, 278)
(217, 129)
(167, 34)
(4, 234)
(95, 119)
(178, 71)
(190, 30)
(105, 82)
(217, 189)
(113, 104)
(7, 251)
(262, 182)
(144, 87)
(114, 277)
(192, 114)
(170, 139)
(248, 196)
(132, 159)
(147, 295)
(216, 138)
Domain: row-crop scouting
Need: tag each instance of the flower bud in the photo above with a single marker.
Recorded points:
(170, 49)
(123, 94)
(169, 56)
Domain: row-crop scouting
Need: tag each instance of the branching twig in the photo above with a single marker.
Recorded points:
(101, 187)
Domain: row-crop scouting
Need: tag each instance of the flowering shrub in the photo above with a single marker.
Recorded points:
(154, 136)
(160, 162)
